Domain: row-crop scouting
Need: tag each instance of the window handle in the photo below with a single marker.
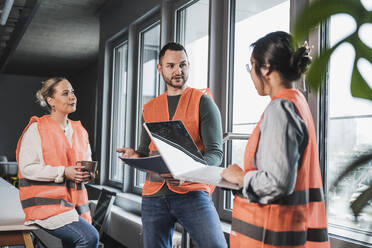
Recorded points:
(235, 136)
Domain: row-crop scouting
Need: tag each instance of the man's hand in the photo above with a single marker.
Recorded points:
(128, 152)
(170, 180)
(234, 174)
(75, 173)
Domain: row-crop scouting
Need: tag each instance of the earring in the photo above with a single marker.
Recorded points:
(53, 108)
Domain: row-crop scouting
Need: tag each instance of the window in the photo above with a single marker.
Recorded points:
(192, 32)
(148, 80)
(348, 130)
(118, 109)
(247, 105)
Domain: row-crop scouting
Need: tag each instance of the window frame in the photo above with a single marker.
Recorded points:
(111, 45)
(178, 37)
(225, 104)
(178, 7)
(146, 26)
(135, 33)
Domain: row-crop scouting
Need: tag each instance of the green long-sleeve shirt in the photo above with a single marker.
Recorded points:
(210, 130)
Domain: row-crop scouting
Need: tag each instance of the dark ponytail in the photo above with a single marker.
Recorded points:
(278, 51)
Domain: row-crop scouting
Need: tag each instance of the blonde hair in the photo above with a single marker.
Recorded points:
(47, 90)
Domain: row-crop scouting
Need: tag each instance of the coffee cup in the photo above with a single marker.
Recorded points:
(88, 166)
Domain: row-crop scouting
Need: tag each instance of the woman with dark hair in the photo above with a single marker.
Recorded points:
(51, 185)
(281, 203)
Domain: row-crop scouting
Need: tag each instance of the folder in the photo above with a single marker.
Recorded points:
(179, 156)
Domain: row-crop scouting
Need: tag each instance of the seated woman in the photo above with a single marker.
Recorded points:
(51, 185)
(282, 203)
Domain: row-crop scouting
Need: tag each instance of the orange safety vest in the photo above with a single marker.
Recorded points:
(41, 200)
(296, 220)
(188, 112)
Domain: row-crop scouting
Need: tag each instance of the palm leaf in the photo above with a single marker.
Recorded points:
(361, 201)
(357, 163)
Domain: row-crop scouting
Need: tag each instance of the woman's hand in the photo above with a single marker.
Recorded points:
(93, 176)
(74, 173)
(128, 152)
(170, 179)
(234, 174)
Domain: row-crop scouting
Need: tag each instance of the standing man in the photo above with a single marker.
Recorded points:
(165, 200)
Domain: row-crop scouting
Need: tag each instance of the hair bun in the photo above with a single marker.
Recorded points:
(300, 59)
(40, 98)
(43, 103)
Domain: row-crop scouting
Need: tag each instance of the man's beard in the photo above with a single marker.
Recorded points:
(174, 85)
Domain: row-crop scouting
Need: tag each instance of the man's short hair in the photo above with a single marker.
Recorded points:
(173, 46)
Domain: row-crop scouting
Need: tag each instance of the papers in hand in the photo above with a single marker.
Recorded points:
(179, 156)
(182, 157)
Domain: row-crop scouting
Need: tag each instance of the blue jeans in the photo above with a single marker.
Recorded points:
(194, 210)
(78, 234)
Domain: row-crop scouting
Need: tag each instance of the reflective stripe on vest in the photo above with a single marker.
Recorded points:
(24, 182)
(298, 219)
(298, 197)
(289, 238)
(82, 208)
(188, 112)
(41, 200)
(38, 201)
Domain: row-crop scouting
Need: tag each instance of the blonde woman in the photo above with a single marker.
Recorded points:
(51, 185)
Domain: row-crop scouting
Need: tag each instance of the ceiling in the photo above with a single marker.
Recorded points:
(60, 37)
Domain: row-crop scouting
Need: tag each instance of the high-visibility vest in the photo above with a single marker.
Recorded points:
(41, 200)
(188, 112)
(296, 220)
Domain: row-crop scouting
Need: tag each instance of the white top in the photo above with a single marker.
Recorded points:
(32, 166)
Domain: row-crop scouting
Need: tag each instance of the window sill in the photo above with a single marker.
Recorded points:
(342, 237)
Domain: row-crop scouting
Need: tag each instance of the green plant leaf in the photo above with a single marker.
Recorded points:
(358, 162)
(318, 68)
(361, 49)
(369, 17)
(319, 11)
(359, 87)
(361, 201)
